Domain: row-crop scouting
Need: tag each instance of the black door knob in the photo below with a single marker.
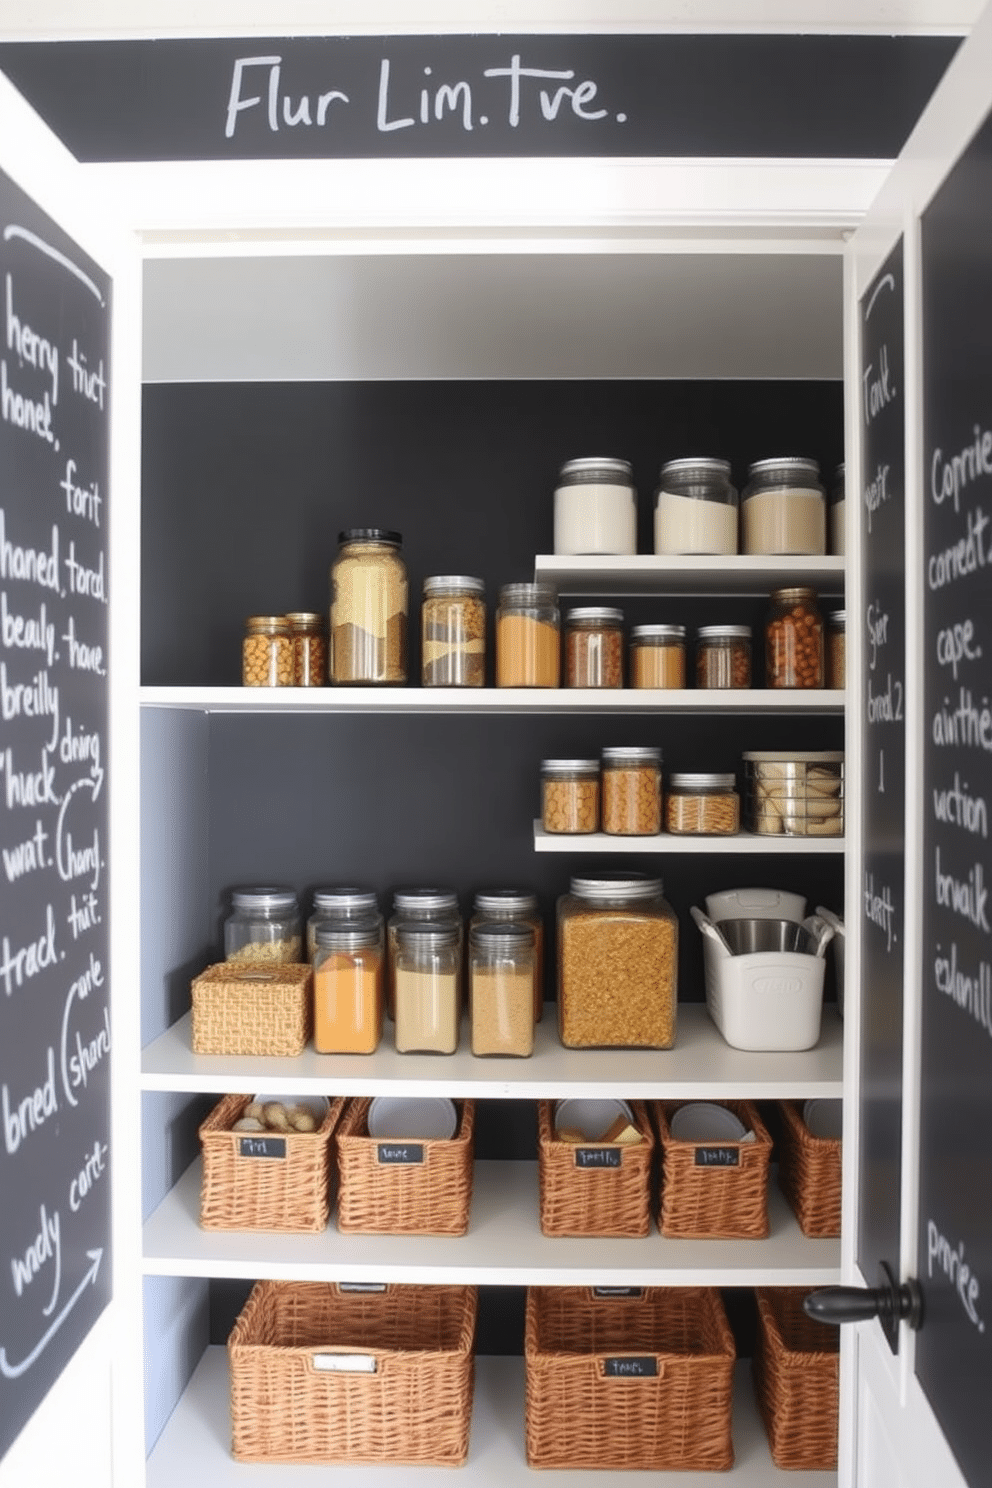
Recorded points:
(889, 1302)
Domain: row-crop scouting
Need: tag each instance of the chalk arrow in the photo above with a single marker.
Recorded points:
(14, 1371)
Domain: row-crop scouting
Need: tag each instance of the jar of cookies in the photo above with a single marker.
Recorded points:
(570, 795)
(794, 640)
(631, 784)
(453, 632)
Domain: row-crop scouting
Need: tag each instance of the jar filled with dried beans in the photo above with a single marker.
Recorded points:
(528, 639)
(657, 656)
(570, 795)
(453, 632)
(309, 648)
(631, 791)
(499, 906)
(702, 805)
(501, 960)
(723, 656)
(348, 987)
(264, 925)
(794, 640)
(837, 649)
(267, 652)
(594, 647)
(369, 604)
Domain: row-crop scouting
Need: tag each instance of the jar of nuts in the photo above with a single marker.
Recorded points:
(723, 656)
(594, 647)
(703, 805)
(264, 925)
(837, 648)
(632, 791)
(309, 648)
(794, 640)
(570, 795)
(267, 652)
(657, 656)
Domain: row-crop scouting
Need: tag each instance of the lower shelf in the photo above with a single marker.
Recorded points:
(195, 1445)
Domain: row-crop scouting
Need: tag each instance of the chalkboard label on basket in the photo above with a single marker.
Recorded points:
(262, 1146)
(361, 1286)
(406, 1152)
(598, 1157)
(644, 1367)
(717, 1157)
(618, 1291)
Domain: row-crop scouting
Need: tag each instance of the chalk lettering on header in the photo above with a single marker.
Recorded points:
(967, 897)
(291, 114)
(32, 350)
(969, 988)
(943, 1255)
(948, 478)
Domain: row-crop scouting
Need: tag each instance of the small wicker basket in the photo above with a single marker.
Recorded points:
(252, 1009)
(404, 1188)
(809, 1174)
(281, 1182)
(796, 1380)
(579, 1196)
(714, 1190)
(642, 1380)
(321, 1372)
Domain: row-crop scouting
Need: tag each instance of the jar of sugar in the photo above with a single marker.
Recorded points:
(784, 508)
(596, 507)
(695, 508)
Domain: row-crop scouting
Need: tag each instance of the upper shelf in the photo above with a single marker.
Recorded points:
(686, 574)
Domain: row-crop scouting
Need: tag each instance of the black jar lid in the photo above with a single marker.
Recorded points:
(371, 534)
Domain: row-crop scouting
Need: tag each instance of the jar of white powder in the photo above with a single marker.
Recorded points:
(784, 508)
(596, 507)
(695, 508)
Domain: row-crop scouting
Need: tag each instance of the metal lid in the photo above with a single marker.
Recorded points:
(345, 900)
(496, 933)
(702, 465)
(634, 754)
(269, 624)
(457, 583)
(570, 767)
(596, 469)
(307, 620)
(794, 756)
(723, 633)
(594, 615)
(702, 782)
(785, 465)
(412, 901)
(505, 901)
(838, 618)
(793, 595)
(347, 935)
(617, 886)
(267, 898)
(428, 934)
(701, 479)
(535, 596)
(658, 633)
(371, 534)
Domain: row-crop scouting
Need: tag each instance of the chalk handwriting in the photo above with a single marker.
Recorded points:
(946, 1257)
(970, 989)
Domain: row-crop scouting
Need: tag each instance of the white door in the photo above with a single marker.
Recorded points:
(69, 433)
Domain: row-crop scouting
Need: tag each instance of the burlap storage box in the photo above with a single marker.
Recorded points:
(324, 1372)
(809, 1174)
(252, 1009)
(643, 1380)
(714, 1190)
(421, 1187)
(796, 1380)
(594, 1188)
(265, 1180)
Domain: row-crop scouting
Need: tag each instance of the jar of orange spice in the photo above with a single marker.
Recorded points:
(348, 987)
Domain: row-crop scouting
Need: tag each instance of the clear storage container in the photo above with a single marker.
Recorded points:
(453, 632)
(723, 656)
(794, 640)
(346, 903)
(528, 639)
(498, 906)
(703, 805)
(594, 647)
(695, 508)
(837, 648)
(426, 986)
(570, 795)
(267, 652)
(501, 977)
(309, 633)
(596, 507)
(784, 508)
(631, 791)
(348, 986)
(657, 656)
(264, 925)
(798, 793)
(369, 605)
(425, 906)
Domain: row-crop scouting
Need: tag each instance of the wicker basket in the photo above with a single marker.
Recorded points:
(404, 1188)
(284, 1184)
(252, 1009)
(810, 1174)
(579, 1197)
(324, 1373)
(796, 1380)
(714, 1190)
(643, 1380)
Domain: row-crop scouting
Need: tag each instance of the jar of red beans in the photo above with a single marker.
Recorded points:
(794, 640)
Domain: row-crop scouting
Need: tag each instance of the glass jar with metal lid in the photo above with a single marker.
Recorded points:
(594, 647)
(425, 906)
(617, 963)
(784, 508)
(309, 631)
(723, 656)
(348, 986)
(836, 648)
(528, 637)
(501, 977)
(267, 652)
(794, 640)
(596, 507)
(570, 795)
(427, 969)
(657, 656)
(631, 791)
(838, 513)
(264, 925)
(453, 632)
(498, 906)
(695, 508)
(369, 604)
(702, 805)
(341, 905)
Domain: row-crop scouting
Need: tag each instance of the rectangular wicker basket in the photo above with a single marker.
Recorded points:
(714, 1190)
(809, 1174)
(796, 1380)
(252, 1009)
(643, 1380)
(324, 1373)
(287, 1186)
(580, 1197)
(404, 1188)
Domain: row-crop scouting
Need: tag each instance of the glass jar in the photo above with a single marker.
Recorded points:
(695, 508)
(617, 963)
(498, 906)
(795, 793)
(838, 513)
(528, 641)
(784, 508)
(426, 985)
(703, 805)
(631, 791)
(570, 795)
(596, 507)
(267, 652)
(837, 649)
(348, 987)
(501, 978)
(657, 656)
(594, 647)
(264, 925)
(344, 904)
(723, 656)
(453, 632)
(424, 906)
(368, 608)
(794, 640)
(309, 648)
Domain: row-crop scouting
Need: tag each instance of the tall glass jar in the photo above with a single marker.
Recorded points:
(695, 508)
(368, 608)
(596, 507)
(723, 656)
(784, 508)
(424, 906)
(838, 513)
(267, 652)
(427, 970)
(340, 904)
(631, 791)
(501, 977)
(594, 647)
(528, 640)
(264, 925)
(837, 648)
(657, 656)
(794, 640)
(309, 648)
(617, 963)
(453, 632)
(497, 907)
(348, 987)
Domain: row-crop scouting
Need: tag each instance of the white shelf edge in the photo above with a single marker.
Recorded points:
(648, 574)
(668, 844)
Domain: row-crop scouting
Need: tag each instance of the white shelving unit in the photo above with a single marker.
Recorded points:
(670, 844)
(686, 574)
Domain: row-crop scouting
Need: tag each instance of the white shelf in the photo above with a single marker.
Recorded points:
(501, 700)
(504, 1247)
(700, 1067)
(668, 843)
(195, 1446)
(686, 574)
